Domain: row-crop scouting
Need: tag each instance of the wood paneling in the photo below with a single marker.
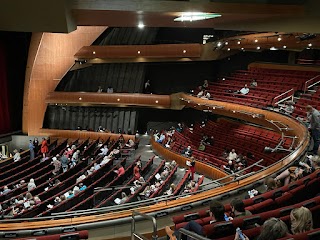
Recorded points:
(109, 99)
(50, 57)
(140, 51)
(74, 134)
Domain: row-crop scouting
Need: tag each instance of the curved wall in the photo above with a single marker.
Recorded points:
(51, 55)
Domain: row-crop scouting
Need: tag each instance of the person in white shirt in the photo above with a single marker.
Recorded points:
(31, 185)
(105, 160)
(110, 89)
(200, 94)
(232, 155)
(130, 143)
(104, 151)
(244, 90)
(206, 95)
(16, 156)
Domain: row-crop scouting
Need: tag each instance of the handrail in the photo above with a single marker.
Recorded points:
(134, 234)
(306, 84)
(190, 234)
(280, 95)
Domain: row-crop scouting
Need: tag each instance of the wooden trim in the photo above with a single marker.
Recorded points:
(112, 99)
(75, 134)
(140, 51)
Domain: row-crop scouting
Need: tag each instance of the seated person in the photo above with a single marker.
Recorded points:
(216, 213)
(238, 209)
(189, 187)
(206, 95)
(244, 91)
(104, 151)
(120, 171)
(82, 187)
(288, 109)
(130, 143)
(205, 84)
(161, 138)
(202, 147)
(301, 220)
(110, 89)
(187, 152)
(232, 155)
(200, 94)
(100, 89)
(254, 83)
(179, 128)
(170, 190)
(139, 182)
(270, 184)
(124, 198)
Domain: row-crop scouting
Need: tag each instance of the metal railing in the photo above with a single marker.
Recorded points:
(190, 235)
(135, 216)
(282, 97)
(311, 82)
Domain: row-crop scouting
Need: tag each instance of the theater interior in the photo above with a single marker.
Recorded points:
(149, 79)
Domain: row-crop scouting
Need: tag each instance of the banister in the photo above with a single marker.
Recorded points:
(308, 83)
(133, 226)
(280, 95)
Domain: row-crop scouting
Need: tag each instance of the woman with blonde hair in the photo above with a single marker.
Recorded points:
(301, 220)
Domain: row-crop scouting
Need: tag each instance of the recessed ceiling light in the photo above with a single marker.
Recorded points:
(141, 25)
(228, 49)
(196, 16)
(258, 48)
(226, 43)
(279, 39)
(94, 52)
(239, 42)
(157, 101)
(256, 40)
(310, 44)
(184, 51)
(118, 99)
(80, 98)
(284, 46)
(138, 52)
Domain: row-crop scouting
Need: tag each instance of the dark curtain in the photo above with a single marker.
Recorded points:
(4, 103)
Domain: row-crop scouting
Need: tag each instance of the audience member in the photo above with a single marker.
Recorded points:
(216, 212)
(110, 89)
(6, 190)
(288, 109)
(187, 152)
(16, 156)
(31, 185)
(301, 220)
(136, 172)
(44, 147)
(147, 87)
(82, 187)
(313, 116)
(238, 209)
(270, 184)
(57, 166)
(206, 95)
(36, 145)
(244, 91)
(99, 89)
(64, 162)
(254, 83)
(232, 155)
(120, 171)
(205, 84)
(273, 229)
(31, 149)
(104, 151)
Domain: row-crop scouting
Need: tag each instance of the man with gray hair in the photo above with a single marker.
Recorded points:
(313, 116)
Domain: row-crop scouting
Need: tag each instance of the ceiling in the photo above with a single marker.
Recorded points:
(65, 15)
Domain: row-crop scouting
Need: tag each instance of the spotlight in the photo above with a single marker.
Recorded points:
(94, 52)
(138, 52)
(310, 45)
(141, 25)
(184, 51)
(279, 39)
(226, 43)
(284, 46)
(228, 49)
(256, 40)
(258, 48)
(239, 42)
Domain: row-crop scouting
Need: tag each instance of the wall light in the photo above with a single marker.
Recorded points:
(80, 98)
(94, 52)
(184, 51)
(141, 25)
(239, 42)
(284, 46)
(258, 48)
(228, 49)
(256, 40)
(310, 44)
(279, 39)
(157, 101)
(118, 99)
(138, 52)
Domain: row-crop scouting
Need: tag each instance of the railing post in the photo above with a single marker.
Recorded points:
(146, 217)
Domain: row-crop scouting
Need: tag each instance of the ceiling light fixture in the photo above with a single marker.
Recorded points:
(226, 43)
(138, 52)
(239, 42)
(94, 52)
(184, 51)
(256, 40)
(273, 48)
(258, 48)
(228, 49)
(279, 39)
(219, 44)
(310, 44)
(118, 99)
(284, 46)
(196, 16)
